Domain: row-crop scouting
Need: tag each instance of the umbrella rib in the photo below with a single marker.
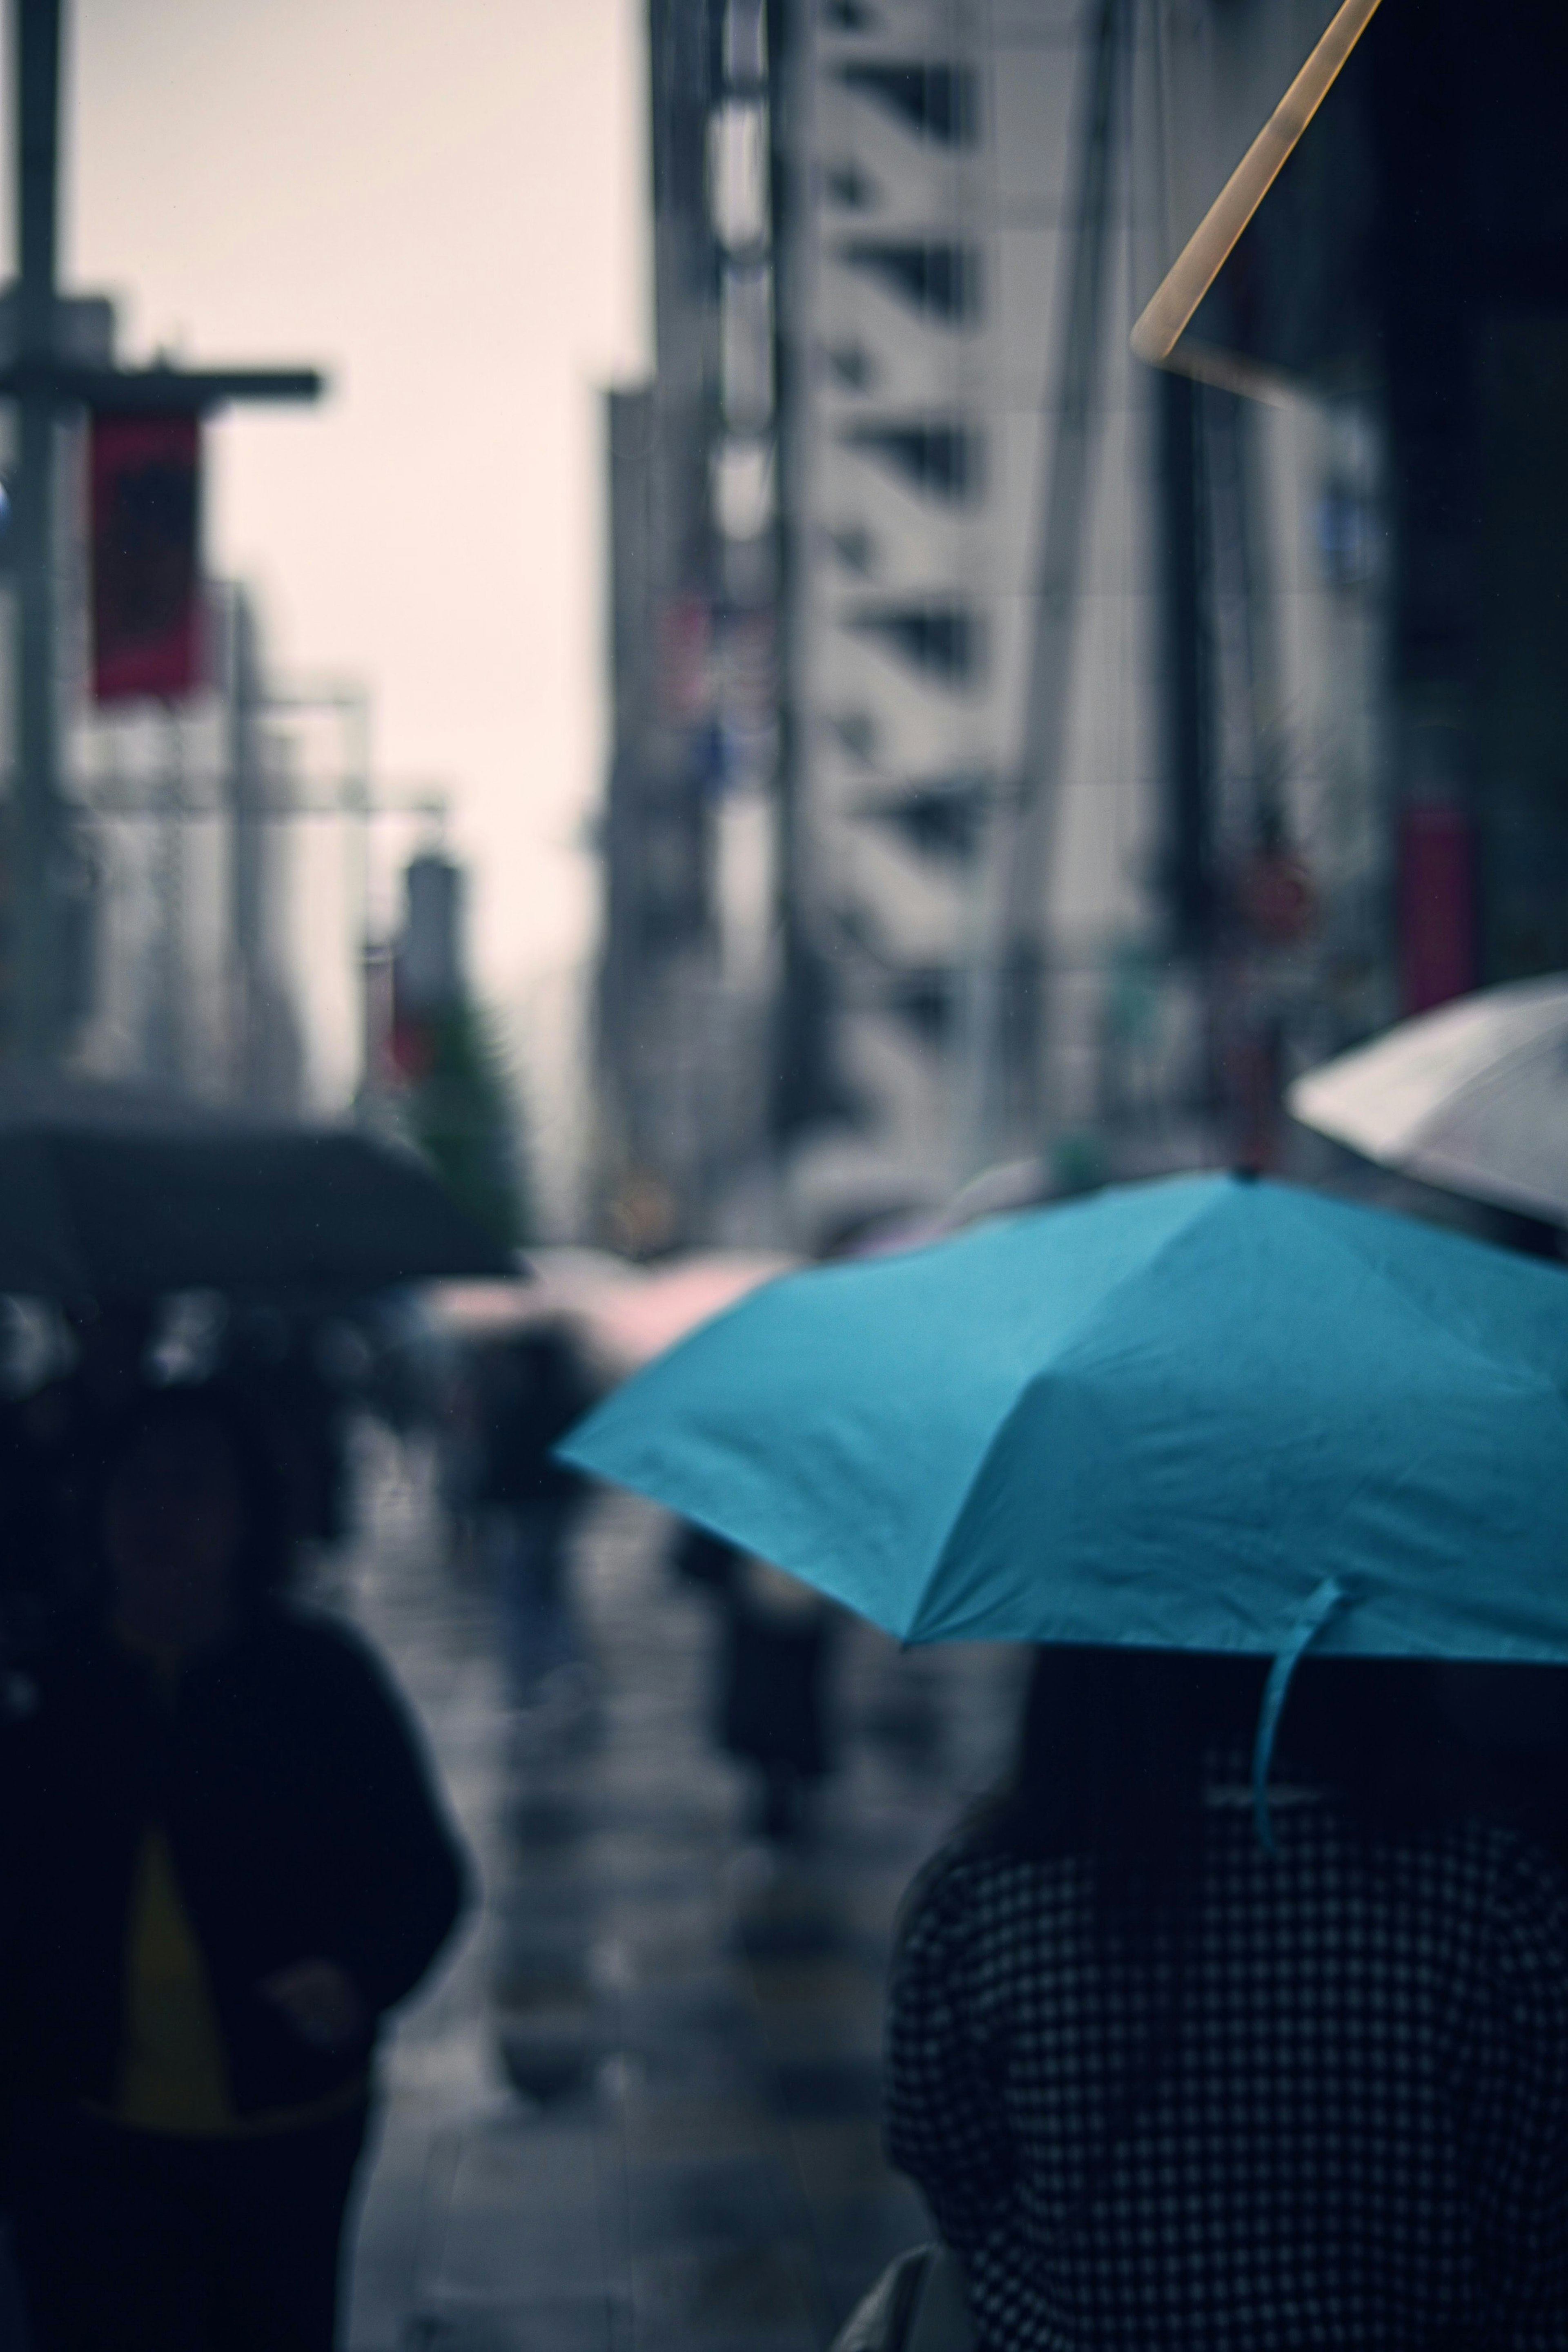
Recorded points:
(1534, 1383)
(1526, 1376)
(1205, 1203)
(1506, 1065)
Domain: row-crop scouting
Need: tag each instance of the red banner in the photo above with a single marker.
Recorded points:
(1438, 943)
(146, 512)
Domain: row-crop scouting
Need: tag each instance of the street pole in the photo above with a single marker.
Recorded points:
(792, 1042)
(351, 703)
(37, 810)
(1013, 1011)
(45, 387)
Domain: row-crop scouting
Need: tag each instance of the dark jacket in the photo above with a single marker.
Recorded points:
(531, 1389)
(302, 1826)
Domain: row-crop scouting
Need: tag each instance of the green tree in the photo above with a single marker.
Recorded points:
(463, 1113)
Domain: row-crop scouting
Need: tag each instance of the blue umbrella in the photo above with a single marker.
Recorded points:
(1205, 1414)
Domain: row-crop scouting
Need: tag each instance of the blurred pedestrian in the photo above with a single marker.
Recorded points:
(276, 1362)
(51, 1453)
(775, 1647)
(223, 1865)
(529, 1389)
(1162, 2086)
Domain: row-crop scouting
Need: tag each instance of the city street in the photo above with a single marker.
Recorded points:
(639, 2105)
(783, 977)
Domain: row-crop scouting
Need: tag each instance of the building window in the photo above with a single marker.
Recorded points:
(942, 819)
(945, 642)
(855, 548)
(942, 280)
(849, 187)
(853, 367)
(941, 102)
(944, 461)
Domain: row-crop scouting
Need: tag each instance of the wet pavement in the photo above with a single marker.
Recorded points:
(639, 2105)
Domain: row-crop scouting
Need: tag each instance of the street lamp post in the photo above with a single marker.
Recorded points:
(36, 78)
(44, 387)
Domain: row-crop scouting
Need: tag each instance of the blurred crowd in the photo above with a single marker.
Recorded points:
(223, 1858)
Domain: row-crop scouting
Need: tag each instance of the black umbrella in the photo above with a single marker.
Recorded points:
(106, 1191)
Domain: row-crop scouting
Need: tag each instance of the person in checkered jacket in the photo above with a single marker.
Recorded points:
(1164, 2090)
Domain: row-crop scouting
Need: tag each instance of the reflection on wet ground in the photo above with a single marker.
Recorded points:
(639, 2107)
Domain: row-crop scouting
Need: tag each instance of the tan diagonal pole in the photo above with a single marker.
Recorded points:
(1169, 313)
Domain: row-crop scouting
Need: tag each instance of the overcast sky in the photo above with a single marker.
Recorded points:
(442, 201)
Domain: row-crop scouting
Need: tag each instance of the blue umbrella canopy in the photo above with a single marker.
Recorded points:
(1203, 1414)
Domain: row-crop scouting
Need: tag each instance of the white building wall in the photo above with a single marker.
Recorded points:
(876, 728)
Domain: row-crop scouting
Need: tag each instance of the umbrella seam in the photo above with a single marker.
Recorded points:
(1529, 1377)
(1394, 1156)
(1219, 1189)
(1506, 1065)
(1531, 1381)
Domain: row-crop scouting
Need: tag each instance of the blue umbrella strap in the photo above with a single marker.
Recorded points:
(1329, 1599)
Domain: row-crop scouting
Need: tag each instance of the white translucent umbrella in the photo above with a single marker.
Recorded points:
(1472, 1098)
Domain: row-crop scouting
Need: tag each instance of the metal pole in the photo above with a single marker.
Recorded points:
(804, 1085)
(1188, 686)
(355, 804)
(1013, 1012)
(37, 28)
(355, 705)
(168, 1027)
(1186, 665)
(792, 1043)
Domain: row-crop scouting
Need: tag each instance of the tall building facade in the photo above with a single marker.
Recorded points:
(970, 683)
(1366, 383)
(1141, 733)
(939, 155)
(683, 981)
(1092, 657)
(828, 512)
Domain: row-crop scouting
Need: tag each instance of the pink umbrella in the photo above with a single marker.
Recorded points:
(633, 1322)
(626, 1314)
(558, 1283)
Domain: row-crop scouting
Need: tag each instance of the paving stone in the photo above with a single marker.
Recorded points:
(706, 2175)
(763, 2288)
(705, 2202)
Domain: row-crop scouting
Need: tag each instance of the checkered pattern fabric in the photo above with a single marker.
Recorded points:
(1324, 2104)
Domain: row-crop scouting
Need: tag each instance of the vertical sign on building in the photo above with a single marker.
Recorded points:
(1438, 944)
(146, 520)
